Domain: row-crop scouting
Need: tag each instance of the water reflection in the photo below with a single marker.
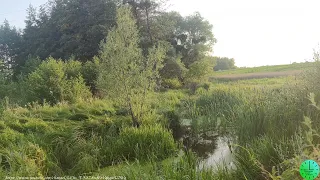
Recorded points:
(220, 156)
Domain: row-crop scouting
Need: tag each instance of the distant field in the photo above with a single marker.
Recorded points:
(276, 68)
(261, 72)
(258, 75)
(279, 81)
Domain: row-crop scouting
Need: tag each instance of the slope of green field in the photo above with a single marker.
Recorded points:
(276, 68)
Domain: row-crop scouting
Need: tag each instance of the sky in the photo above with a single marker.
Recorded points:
(253, 32)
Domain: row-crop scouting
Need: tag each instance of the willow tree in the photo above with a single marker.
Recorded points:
(127, 76)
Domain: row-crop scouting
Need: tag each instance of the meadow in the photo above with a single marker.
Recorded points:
(267, 121)
(263, 69)
(272, 124)
(140, 100)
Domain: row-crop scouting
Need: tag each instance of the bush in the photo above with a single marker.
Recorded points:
(172, 83)
(192, 86)
(199, 69)
(47, 82)
(75, 90)
(72, 69)
(2, 126)
(54, 81)
(201, 91)
(206, 86)
(90, 72)
(173, 68)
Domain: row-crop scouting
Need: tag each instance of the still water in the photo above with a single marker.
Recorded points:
(220, 156)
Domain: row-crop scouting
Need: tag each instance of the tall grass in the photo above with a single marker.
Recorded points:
(263, 122)
(43, 140)
(266, 125)
(146, 143)
(183, 167)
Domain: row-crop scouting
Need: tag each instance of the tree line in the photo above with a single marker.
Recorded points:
(123, 50)
(75, 31)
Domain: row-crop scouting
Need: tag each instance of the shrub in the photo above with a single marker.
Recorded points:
(200, 91)
(199, 69)
(174, 124)
(75, 90)
(90, 72)
(54, 81)
(47, 82)
(193, 86)
(173, 68)
(72, 69)
(206, 86)
(172, 83)
(2, 126)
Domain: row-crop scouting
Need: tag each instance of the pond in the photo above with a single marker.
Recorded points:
(212, 149)
(220, 156)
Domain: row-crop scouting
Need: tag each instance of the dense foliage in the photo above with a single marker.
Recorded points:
(87, 88)
(65, 29)
(126, 75)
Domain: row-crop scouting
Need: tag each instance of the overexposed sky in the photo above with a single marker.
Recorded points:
(257, 32)
(254, 32)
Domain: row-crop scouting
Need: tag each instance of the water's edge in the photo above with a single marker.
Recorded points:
(220, 157)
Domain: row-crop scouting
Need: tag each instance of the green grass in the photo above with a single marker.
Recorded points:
(267, 82)
(138, 167)
(75, 139)
(263, 118)
(183, 167)
(276, 68)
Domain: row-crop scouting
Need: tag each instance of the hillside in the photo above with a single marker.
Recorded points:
(262, 71)
(275, 68)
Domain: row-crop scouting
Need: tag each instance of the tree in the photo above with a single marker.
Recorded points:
(224, 63)
(191, 36)
(84, 24)
(10, 45)
(145, 12)
(199, 69)
(194, 38)
(126, 75)
(173, 68)
(74, 28)
(66, 28)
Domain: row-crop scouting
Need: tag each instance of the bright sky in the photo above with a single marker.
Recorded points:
(257, 32)
(254, 32)
(15, 10)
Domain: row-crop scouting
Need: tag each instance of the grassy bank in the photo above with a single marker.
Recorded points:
(76, 139)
